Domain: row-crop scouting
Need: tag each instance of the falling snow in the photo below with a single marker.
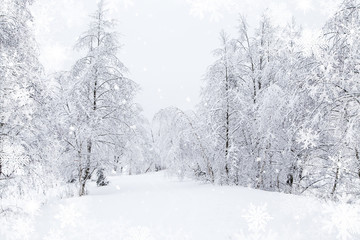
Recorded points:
(302, 140)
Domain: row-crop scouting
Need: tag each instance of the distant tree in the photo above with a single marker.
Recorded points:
(181, 144)
(138, 155)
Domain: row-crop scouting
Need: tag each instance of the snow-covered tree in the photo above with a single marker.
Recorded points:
(262, 100)
(20, 73)
(336, 85)
(219, 110)
(27, 147)
(99, 111)
(181, 144)
(138, 155)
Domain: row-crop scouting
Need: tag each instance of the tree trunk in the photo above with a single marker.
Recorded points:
(1, 149)
(82, 191)
(0, 165)
(358, 160)
(227, 140)
(227, 145)
(336, 180)
(85, 173)
(88, 160)
(260, 180)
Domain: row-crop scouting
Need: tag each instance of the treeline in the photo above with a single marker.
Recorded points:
(273, 116)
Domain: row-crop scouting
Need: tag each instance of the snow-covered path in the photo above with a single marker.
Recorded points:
(153, 207)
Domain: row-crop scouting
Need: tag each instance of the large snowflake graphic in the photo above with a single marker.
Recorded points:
(308, 138)
(343, 219)
(257, 217)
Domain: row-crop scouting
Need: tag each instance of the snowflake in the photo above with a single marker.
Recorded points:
(139, 233)
(68, 215)
(257, 218)
(343, 218)
(308, 138)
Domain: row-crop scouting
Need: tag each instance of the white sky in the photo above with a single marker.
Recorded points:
(167, 43)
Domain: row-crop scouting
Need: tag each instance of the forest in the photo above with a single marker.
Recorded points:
(271, 117)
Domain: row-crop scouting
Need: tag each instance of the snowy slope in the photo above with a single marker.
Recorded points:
(154, 206)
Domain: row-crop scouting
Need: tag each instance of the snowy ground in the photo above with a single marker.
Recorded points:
(153, 207)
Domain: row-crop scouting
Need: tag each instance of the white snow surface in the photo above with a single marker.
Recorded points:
(154, 206)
